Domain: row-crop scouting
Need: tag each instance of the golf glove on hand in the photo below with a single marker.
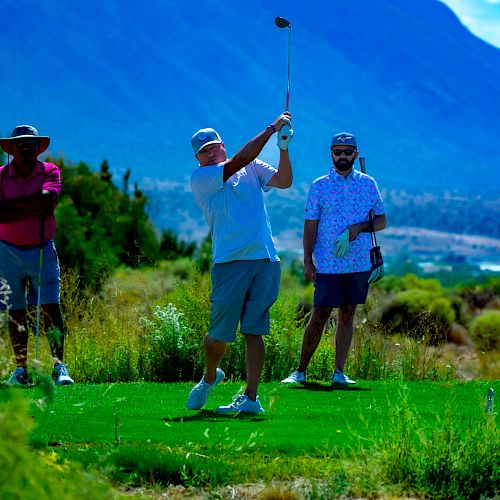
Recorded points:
(285, 135)
(341, 246)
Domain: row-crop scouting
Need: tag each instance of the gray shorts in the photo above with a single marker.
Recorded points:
(243, 291)
(335, 290)
(20, 267)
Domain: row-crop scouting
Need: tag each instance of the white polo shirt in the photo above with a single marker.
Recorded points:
(235, 211)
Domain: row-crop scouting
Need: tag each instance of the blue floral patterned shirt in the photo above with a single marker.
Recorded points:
(338, 202)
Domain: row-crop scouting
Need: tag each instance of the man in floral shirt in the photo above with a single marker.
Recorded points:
(337, 245)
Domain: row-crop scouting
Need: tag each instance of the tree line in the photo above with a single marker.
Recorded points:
(101, 226)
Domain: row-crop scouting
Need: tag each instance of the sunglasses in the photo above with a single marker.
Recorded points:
(346, 152)
(26, 143)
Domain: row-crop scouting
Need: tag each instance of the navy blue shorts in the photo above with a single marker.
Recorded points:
(335, 290)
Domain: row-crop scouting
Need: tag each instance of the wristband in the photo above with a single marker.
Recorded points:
(273, 127)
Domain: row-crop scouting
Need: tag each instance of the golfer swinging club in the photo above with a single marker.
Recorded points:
(246, 270)
(29, 190)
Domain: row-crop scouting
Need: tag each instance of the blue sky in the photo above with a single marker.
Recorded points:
(481, 17)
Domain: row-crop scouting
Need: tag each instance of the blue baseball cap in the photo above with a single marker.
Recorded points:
(204, 137)
(344, 139)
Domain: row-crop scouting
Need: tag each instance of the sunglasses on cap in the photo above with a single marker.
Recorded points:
(346, 152)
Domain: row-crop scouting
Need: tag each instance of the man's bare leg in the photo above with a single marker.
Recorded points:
(312, 335)
(55, 330)
(343, 335)
(18, 333)
(255, 355)
(214, 352)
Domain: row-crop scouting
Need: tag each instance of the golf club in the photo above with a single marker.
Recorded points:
(376, 259)
(490, 401)
(283, 23)
(39, 291)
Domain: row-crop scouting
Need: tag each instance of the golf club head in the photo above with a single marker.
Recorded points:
(376, 275)
(282, 23)
(377, 270)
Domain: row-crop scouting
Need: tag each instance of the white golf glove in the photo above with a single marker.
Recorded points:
(341, 246)
(285, 135)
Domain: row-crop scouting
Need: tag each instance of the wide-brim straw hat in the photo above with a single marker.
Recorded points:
(24, 132)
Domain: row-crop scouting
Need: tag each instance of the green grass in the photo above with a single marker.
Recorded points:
(341, 440)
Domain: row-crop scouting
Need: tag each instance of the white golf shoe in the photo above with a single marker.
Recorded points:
(61, 375)
(340, 378)
(242, 403)
(200, 392)
(295, 377)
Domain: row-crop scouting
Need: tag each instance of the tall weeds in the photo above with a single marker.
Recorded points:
(457, 459)
(135, 329)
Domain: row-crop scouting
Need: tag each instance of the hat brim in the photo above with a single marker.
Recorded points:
(43, 143)
(334, 144)
(208, 143)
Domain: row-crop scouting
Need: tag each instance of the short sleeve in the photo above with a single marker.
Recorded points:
(312, 204)
(206, 181)
(378, 205)
(264, 173)
(52, 179)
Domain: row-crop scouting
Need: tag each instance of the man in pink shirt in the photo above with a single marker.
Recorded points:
(29, 190)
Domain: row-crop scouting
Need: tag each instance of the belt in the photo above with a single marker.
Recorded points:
(22, 247)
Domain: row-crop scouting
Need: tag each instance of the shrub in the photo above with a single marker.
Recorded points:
(408, 308)
(485, 330)
(457, 459)
(154, 465)
(170, 352)
(394, 284)
(38, 475)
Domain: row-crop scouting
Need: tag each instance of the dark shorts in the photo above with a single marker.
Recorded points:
(335, 290)
(20, 268)
(243, 291)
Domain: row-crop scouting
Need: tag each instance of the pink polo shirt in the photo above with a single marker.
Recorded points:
(45, 176)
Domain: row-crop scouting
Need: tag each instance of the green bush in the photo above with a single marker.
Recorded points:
(420, 313)
(485, 330)
(101, 226)
(38, 475)
(393, 283)
(170, 352)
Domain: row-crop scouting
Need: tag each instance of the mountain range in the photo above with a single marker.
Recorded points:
(132, 81)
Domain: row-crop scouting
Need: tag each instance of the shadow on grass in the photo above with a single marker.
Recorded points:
(215, 416)
(317, 386)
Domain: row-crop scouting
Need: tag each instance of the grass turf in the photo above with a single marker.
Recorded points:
(139, 430)
(298, 418)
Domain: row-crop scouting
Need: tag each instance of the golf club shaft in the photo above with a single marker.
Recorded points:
(39, 291)
(38, 306)
(370, 214)
(289, 62)
(283, 23)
